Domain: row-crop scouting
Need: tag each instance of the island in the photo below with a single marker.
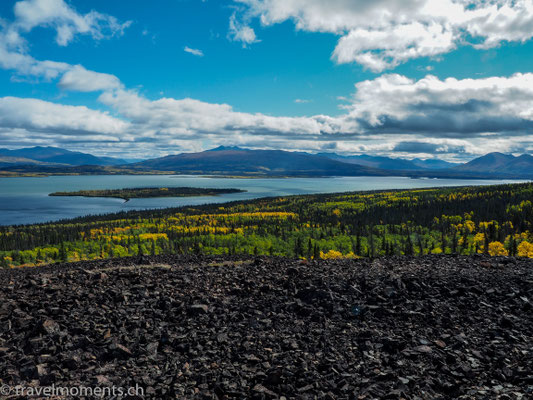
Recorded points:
(142, 193)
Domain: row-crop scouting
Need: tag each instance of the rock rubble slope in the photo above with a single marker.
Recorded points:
(265, 328)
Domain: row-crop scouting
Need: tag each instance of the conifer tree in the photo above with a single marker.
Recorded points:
(63, 256)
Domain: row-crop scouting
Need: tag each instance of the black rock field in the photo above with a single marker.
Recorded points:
(434, 327)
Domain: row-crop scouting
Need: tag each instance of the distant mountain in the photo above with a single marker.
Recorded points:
(498, 163)
(227, 148)
(237, 161)
(433, 163)
(389, 163)
(55, 155)
(393, 164)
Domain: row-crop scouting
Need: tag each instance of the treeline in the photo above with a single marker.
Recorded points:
(494, 220)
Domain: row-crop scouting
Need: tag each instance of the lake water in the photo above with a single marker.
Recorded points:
(26, 200)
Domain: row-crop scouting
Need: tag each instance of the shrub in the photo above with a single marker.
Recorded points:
(497, 249)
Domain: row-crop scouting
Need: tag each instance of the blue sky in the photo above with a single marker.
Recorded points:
(451, 79)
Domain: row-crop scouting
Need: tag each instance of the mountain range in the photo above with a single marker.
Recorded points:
(53, 155)
(389, 163)
(498, 163)
(235, 161)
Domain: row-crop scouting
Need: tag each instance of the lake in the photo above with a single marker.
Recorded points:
(26, 200)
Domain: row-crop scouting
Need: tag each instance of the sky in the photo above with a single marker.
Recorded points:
(448, 79)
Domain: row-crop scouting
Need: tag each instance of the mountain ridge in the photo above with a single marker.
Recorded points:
(56, 155)
(237, 161)
(500, 163)
(226, 161)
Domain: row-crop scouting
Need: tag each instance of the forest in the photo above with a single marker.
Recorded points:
(494, 220)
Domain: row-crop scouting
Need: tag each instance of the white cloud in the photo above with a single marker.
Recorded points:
(194, 52)
(240, 32)
(450, 107)
(386, 115)
(454, 115)
(26, 65)
(81, 80)
(382, 34)
(502, 20)
(301, 101)
(35, 115)
(189, 117)
(391, 114)
(13, 56)
(65, 20)
(396, 45)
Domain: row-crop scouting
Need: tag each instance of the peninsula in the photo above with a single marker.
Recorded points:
(142, 193)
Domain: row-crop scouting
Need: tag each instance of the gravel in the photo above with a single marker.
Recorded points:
(433, 327)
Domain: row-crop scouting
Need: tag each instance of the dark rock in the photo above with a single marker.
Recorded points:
(198, 309)
(396, 327)
(50, 327)
(422, 349)
(119, 351)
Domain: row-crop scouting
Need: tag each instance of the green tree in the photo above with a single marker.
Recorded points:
(63, 255)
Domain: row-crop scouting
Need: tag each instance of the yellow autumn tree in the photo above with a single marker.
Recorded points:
(479, 242)
(497, 249)
(470, 226)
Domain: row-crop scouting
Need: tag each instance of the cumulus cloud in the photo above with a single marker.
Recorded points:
(450, 108)
(42, 116)
(194, 52)
(66, 21)
(26, 65)
(189, 117)
(381, 34)
(389, 114)
(396, 45)
(79, 79)
(429, 116)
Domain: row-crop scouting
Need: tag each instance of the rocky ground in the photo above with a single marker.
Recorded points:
(266, 328)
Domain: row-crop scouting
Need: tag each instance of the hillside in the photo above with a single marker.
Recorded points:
(8, 161)
(261, 328)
